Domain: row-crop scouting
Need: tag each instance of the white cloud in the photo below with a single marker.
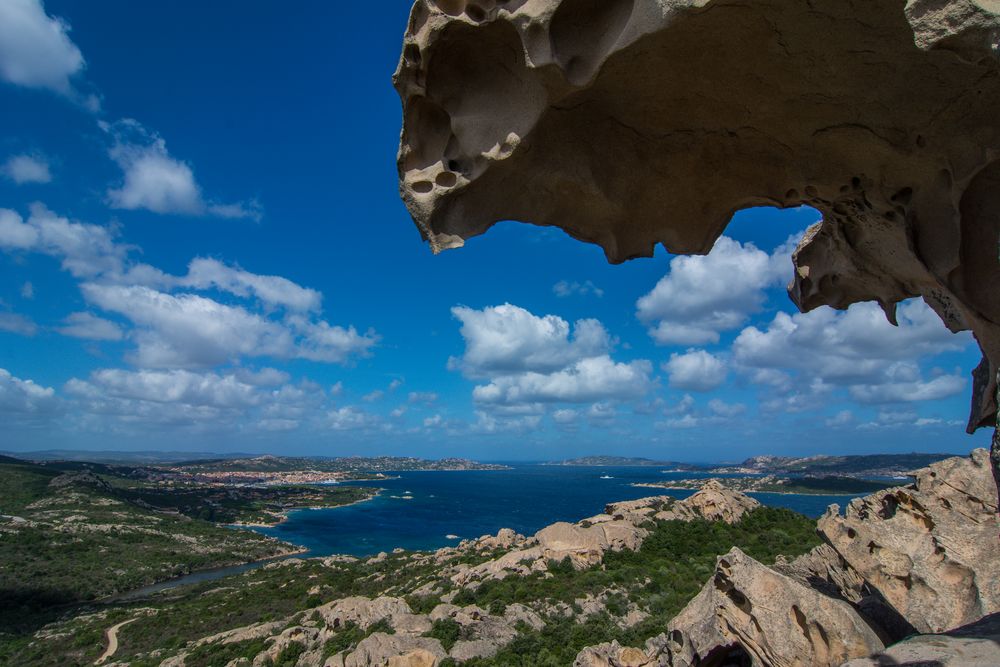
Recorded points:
(35, 49)
(85, 250)
(720, 408)
(907, 391)
(489, 423)
(510, 339)
(24, 396)
(18, 324)
(395, 384)
(530, 361)
(373, 396)
(695, 370)
(349, 419)
(565, 416)
(703, 295)
(158, 182)
(27, 289)
(27, 169)
(90, 327)
(565, 288)
(584, 381)
(842, 418)
(858, 349)
(174, 386)
(206, 273)
(189, 331)
(265, 377)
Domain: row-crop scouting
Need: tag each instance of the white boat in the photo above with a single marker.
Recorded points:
(606, 477)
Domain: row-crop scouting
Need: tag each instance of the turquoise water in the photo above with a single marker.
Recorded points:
(444, 507)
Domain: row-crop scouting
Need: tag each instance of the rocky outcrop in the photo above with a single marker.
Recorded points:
(365, 612)
(613, 655)
(382, 650)
(976, 645)
(586, 545)
(930, 549)
(631, 123)
(749, 608)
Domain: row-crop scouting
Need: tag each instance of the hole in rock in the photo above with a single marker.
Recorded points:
(476, 13)
(731, 655)
(423, 187)
(446, 179)
(451, 7)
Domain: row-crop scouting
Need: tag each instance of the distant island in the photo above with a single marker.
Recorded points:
(622, 461)
(350, 467)
(807, 486)
(873, 465)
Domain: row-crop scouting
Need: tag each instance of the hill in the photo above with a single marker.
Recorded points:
(622, 461)
(884, 465)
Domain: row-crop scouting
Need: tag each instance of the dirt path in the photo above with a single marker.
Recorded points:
(112, 636)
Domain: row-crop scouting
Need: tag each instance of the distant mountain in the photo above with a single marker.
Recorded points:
(869, 464)
(622, 461)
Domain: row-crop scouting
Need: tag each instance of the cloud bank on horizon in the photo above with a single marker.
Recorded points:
(132, 314)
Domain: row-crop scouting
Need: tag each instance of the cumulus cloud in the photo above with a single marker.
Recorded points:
(532, 361)
(703, 295)
(204, 273)
(84, 250)
(174, 386)
(188, 330)
(158, 182)
(35, 48)
(24, 397)
(565, 288)
(18, 324)
(90, 327)
(24, 169)
(858, 349)
(584, 381)
(695, 370)
(510, 339)
(27, 289)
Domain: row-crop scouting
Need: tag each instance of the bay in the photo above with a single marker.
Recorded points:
(433, 509)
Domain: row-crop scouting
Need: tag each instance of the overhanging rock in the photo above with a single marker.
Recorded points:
(629, 123)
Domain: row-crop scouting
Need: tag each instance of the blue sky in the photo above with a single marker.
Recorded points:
(202, 248)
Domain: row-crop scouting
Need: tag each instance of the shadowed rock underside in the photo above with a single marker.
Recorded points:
(629, 123)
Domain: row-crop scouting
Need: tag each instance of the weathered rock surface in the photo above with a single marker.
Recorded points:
(634, 122)
(382, 650)
(612, 655)
(586, 545)
(747, 607)
(930, 549)
(975, 645)
(365, 612)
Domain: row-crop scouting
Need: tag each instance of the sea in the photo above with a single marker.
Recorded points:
(427, 510)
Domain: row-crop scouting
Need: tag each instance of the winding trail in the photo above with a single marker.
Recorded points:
(112, 636)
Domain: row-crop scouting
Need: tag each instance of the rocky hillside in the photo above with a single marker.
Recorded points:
(652, 582)
(916, 559)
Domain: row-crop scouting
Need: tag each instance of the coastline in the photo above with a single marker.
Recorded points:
(283, 515)
(651, 485)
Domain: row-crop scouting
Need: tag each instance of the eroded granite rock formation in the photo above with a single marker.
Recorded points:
(772, 618)
(930, 548)
(629, 123)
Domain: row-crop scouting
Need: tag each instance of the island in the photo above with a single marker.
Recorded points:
(622, 461)
(869, 465)
(807, 486)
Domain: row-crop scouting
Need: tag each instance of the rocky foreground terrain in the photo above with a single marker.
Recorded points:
(908, 575)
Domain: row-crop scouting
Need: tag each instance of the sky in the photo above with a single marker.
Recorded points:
(202, 248)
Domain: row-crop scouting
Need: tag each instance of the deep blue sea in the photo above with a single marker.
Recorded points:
(429, 510)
